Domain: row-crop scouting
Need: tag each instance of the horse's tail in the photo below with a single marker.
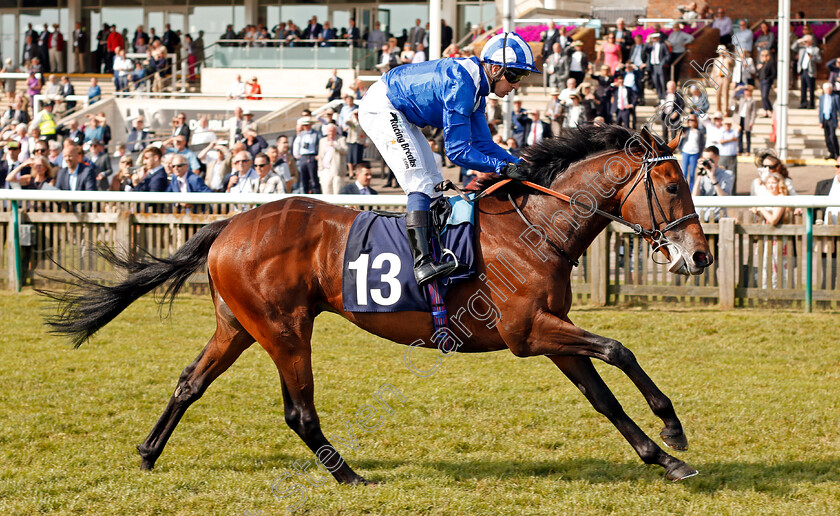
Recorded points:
(88, 305)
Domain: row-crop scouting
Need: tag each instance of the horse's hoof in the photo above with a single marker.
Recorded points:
(677, 442)
(680, 471)
(362, 481)
(146, 465)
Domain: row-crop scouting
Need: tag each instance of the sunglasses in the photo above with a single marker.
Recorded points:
(179, 165)
(513, 76)
(260, 165)
(39, 150)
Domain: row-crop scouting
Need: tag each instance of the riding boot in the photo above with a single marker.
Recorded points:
(425, 268)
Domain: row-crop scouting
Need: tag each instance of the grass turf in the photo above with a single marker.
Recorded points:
(758, 393)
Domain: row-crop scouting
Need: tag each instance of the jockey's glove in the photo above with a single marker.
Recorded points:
(514, 171)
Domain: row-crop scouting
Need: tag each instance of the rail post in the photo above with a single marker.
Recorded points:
(726, 263)
(15, 276)
(809, 257)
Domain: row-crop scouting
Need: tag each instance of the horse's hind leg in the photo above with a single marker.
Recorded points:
(229, 341)
(292, 354)
(583, 374)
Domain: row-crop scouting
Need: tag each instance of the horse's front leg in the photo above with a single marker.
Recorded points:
(552, 335)
(583, 374)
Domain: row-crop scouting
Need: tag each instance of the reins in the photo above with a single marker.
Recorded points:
(656, 236)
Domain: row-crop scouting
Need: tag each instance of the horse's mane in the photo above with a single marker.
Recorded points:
(553, 156)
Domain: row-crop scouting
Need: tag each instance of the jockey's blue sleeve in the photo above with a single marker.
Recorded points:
(458, 130)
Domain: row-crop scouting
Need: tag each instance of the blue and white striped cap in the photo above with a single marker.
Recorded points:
(517, 53)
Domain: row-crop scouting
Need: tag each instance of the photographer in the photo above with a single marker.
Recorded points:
(712, 180)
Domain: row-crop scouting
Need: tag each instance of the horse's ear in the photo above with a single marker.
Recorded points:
(647, 137)
(673, 144)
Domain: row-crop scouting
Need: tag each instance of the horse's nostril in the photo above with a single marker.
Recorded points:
(702, 259)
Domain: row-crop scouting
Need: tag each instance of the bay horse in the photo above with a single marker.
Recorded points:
(273, 269)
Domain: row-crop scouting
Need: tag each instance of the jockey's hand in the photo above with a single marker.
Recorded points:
(514, 171)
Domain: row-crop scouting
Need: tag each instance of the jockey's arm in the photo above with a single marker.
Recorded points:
(483, 140)
(459, 139)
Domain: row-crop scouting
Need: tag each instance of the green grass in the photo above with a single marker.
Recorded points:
(758, 393)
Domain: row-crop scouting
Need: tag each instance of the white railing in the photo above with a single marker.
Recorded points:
(37, 99)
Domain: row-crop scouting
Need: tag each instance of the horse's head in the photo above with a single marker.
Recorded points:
(658, 200)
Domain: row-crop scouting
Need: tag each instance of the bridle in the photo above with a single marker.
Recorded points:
(654, 235)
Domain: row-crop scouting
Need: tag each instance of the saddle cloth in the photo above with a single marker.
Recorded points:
(378, 269)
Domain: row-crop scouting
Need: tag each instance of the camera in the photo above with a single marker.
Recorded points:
(705, 166)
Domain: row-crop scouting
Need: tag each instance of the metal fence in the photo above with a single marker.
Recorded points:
(756, 265)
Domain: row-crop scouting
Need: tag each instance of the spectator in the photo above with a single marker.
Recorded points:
(721, 75)
(183, 179)
(203, 135)
(75, 175)
(312, 31)
(692, 142)
(831, 188)
(670, 109)
(557, 66)
(254, 143)
(101, 162)
(43, 48)
(743, 72)
(180, 148)
(217, 159)
(33, 87)
(623, 100)
(346, 111)
(254, 89)
(578, 62)
(591, 105)
(122, 68)
(387, 60)
(537, 130)
(34, 174)
(361, 186)
(355, 142)
(10, 160)
(570, 89)
(94, 92)
(139, 39)
(155, 178)
(572, 115)
(65, 90)
(237, 89)
(743, 37)
(766, 78)
(745, 111)
(138, 76)
(512, 148)
(723, 23)
(712, 180)
(101, 47)
(623, 38)
(192, 57)
(15, 114)
(180, 126)
(236, 124)
(54, 154)
(284, 154)
(268, 181)
(171, 40)
(774, 185)
(610, 52)
(766, 40)
(807, 57)
(280, 168)
(243, 178)
(138, 137)
(407, 54)
(95, 129)
(550, 37)
(73, 133)
(121, 182)
(45, 120)
(56, 50)
(10, 83)
(417, 34)
(678, 39)
(332, 150)
(689, 12)
(305, 149)
(353, 35)
(376, 38)
(328, 35)
(334, 85)
(829, 114)
(728, 148)
(658, 61)
(114, 42)
(419, 54)
(553, 110)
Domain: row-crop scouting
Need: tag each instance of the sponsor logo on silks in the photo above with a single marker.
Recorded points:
(409, 161)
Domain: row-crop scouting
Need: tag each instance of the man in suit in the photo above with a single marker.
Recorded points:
(101, 161)
(181, 127)
(623, 38)
(183, 179)
(535, 129)
(807, 57)
(557, 66)
(334, 85)
(313, 30)
(170, 39)
(829, 113)
(551, 36)
(658, 62)
(79, 48)
(67, 90)
(361, 186)
(138, 34)
(670, 111)
(75, 175)
(623, 99)
(445, 35)
(329, 33)
(353, 35)
(44, 48)
(155, 179)
(417, 34)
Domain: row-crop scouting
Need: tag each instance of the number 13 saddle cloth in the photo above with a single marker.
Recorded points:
(378, 270)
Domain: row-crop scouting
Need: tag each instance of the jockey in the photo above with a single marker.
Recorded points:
(448, 94)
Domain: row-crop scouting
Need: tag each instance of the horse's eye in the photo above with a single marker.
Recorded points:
(672, 189)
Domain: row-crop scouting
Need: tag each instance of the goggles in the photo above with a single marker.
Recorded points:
(513, 76)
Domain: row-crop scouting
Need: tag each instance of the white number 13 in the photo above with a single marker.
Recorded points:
(361, 267)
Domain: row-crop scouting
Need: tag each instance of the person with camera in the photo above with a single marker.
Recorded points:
(712, 181)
